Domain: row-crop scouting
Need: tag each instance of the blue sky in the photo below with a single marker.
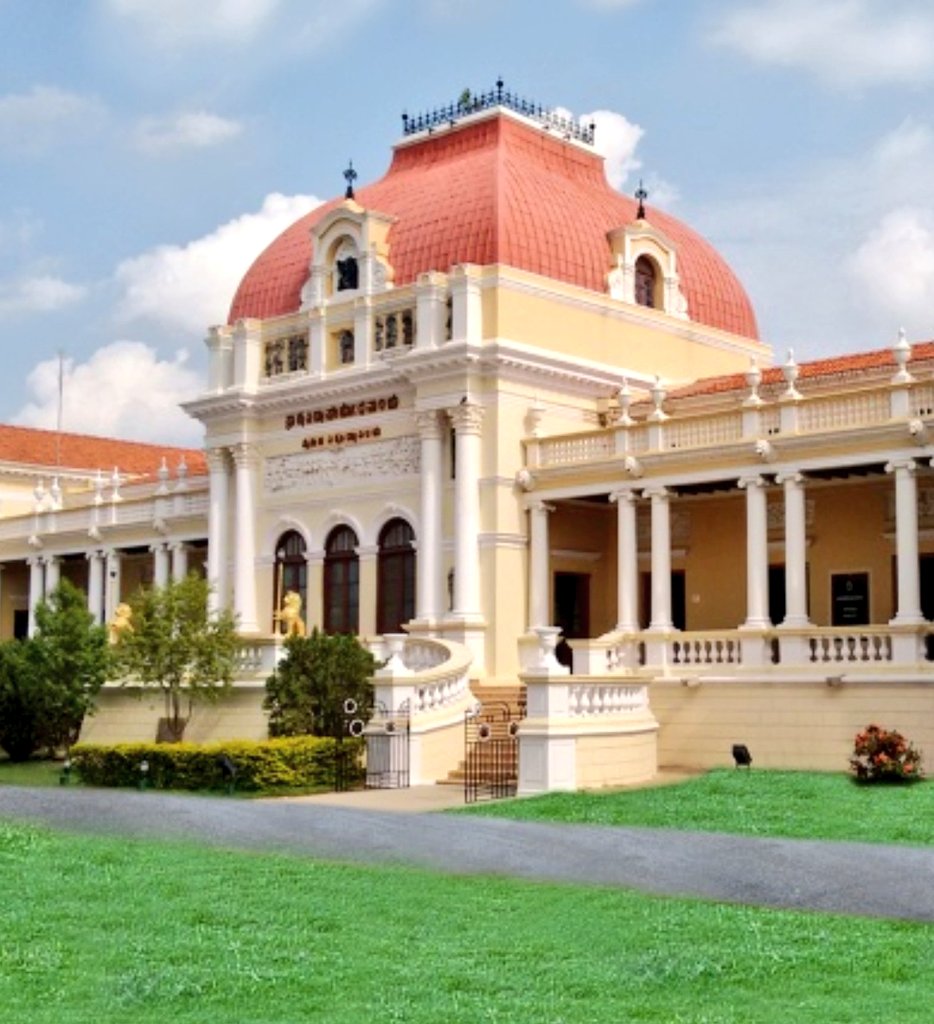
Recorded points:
(150, 148)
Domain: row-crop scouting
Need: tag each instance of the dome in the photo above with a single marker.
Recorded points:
(500, 190)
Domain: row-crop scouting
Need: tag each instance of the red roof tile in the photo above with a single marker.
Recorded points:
(28, 446)
(500, 191)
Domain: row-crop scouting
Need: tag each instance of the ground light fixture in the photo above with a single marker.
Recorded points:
(143, 774)
(65, 774)
(741, 755)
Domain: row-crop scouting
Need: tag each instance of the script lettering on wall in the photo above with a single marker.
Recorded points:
(346, 410)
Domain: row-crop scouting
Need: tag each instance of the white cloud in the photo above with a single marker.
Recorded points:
(196, 130)
(895, 266)
(38, 295)
(191, 286)
(616, 138)
(33, 122)
(848, 43)
(123, 390)
(179, 23)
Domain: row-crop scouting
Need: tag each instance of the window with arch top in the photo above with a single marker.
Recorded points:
(395, 579)
(646, 282)
(341, 581)
(291, 571)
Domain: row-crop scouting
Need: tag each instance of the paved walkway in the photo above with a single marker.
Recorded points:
(881, 881)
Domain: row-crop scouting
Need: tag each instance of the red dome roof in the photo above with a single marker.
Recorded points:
(500, 191)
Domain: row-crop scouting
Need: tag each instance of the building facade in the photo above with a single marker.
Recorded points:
(518, 429)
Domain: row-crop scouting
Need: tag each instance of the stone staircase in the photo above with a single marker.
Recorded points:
(514, 699)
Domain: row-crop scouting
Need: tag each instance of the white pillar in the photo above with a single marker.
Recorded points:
(908, 611)
(539, 566)
(112, 584)
(95, 584)
(246, 461)
(219, 491)
(467, 449)
(796, 597)
(661, 559)
(160, 564)
(179, 560)
(757, 553)
(627, 562)
(36, 589)
(53, 574)
(429, 603)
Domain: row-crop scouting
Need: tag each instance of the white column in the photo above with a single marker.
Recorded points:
(246, 461)
(467, 448)
(36, 589)
(160, 564)
(627, 562)
(908, 611)
(757, 553)
(796, 597)
(53, 567)
(661, 559)
(428, 598)
(95, 584)
(112, 584)
(179, 560)
(219, 497)
(539, 565)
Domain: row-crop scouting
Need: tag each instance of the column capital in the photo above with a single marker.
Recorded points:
(428, 423)
(467, 418)
(365, 551)
(625, 495)
(908, 465)
(656, 493)
(539, 505)
(35, 561)
(216, 458)
(51, 559)
(791, 476)
(752, 480)
(244, 454)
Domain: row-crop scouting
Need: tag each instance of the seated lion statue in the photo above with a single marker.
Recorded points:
(290, 614)
(120, 623)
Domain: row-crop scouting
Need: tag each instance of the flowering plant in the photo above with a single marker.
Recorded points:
(884, 755)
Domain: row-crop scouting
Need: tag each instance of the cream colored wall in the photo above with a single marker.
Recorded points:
(715, 563)
(582, 539)
(617, 759)
(802, 724)
(14, 594)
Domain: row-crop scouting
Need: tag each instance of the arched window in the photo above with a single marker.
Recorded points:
(348, 273)
(345, 344)
(291, 569)
(395, 587)
(646, 281)
(341, 582)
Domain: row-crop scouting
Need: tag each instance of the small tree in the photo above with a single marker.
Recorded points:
(174, 644)
(319, 673)
(49, 682)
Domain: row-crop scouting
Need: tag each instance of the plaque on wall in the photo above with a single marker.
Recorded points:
(849, 599)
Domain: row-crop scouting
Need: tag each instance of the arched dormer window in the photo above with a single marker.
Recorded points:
(346, 267)
(646, 282)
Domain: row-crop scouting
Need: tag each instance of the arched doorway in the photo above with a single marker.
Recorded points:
(291, 570)
(395, 587)
(341, 581)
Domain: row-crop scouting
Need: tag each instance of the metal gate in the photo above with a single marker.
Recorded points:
(387, 748)
(491, 752)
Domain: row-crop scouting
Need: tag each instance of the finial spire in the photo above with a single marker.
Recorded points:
(350, 176)
(641, 195)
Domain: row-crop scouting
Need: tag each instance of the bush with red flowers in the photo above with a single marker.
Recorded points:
(884, 755)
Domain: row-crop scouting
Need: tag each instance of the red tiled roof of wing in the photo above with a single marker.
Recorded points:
(30, 446)
(817, 369)
(500, 191)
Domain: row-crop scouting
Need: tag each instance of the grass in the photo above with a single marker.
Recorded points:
(105, 930)
(34, 772)
(799, 805)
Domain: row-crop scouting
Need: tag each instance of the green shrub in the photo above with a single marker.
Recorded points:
(299, 762)
(884, 755)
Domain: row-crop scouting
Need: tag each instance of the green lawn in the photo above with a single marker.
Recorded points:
(105, 930)
(801, 805)
(30, 773)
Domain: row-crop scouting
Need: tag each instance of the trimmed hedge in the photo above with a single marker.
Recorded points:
(295, 762)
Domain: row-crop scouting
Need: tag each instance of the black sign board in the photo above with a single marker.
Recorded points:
(849, 596)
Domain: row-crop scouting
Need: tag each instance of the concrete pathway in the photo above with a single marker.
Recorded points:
(881, 881)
